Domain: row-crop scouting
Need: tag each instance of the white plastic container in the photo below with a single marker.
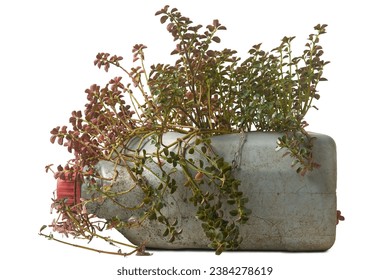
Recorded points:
(290, 212)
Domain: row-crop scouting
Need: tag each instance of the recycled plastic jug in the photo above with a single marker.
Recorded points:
(290, 212)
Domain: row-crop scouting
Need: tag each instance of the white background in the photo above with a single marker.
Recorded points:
(47, 50)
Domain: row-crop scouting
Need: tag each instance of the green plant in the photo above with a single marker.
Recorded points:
(206, 92)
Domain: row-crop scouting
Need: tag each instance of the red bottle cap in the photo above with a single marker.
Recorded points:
(69, 189)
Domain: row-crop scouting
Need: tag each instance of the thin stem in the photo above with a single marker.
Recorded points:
(51, 237)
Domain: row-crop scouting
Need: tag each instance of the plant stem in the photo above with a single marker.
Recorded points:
(50, 237)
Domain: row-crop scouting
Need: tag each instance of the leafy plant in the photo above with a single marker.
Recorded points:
(206, 92)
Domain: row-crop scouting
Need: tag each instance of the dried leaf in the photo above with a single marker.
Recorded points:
(199, 176)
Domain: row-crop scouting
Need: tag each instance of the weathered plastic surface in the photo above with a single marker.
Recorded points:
(289, 212)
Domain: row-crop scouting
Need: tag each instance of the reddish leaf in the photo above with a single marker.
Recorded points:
(55, 130)
(216, 39)
(170, 27)
(48, 167)
(163, 19)
(339, 216)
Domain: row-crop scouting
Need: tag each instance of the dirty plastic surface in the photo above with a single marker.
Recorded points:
(289, 212)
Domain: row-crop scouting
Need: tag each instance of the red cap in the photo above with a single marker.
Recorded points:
(70, 189)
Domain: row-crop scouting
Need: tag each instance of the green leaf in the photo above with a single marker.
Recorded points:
(247, 211)
(172, 239)
(42, 228)
(219, 250)
(231, 201)
(226, 167)
(152, 216)
(234, 212)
